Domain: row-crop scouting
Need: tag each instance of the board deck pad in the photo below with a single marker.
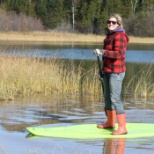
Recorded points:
(90, 131)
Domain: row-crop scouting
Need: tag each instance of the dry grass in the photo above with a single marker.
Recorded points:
(149, 40)
(53, 37)
(48, 37)
(27, 77)
(141, 85)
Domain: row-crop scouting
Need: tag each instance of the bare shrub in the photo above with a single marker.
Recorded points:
(10, 21)
(140, 25)
(64, 27)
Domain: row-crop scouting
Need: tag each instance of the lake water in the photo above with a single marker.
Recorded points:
(15, 116)
(136, 53)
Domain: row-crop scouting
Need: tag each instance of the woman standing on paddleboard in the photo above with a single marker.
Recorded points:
(113, 56)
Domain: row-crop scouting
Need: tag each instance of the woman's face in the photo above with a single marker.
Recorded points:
(112, 23)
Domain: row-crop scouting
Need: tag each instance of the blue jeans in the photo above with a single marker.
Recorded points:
(112, 83)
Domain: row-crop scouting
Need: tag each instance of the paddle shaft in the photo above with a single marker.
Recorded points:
(100, 72)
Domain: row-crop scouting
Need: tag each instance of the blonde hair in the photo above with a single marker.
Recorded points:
(118, 17)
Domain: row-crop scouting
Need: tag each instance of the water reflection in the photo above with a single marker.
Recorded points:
(32, 45)
(114, 146)
(18, 115)
(67, 110)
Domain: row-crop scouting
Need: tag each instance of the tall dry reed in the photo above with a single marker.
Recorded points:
(27, 77)
(141, 85)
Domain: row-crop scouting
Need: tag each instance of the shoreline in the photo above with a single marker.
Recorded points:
(62, 37)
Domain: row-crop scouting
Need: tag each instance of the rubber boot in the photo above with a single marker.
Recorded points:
(111, 116)
(121, 125)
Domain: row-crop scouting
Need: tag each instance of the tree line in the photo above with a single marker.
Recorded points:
(85, 16)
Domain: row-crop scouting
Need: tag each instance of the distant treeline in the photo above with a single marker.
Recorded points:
(85, 16)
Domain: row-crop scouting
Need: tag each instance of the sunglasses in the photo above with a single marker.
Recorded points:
(113, 22)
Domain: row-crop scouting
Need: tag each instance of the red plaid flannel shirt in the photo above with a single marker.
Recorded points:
(115, 52)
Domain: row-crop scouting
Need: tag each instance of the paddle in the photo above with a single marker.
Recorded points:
(100, 72)
(100, 75)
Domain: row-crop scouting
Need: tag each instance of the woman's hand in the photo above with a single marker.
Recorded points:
(98, 52)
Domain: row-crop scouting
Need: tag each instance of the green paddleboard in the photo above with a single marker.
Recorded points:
(90, 131)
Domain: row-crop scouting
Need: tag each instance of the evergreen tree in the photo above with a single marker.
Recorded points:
(126, 9)
(41, 10)
(56, 12)
(19, 6)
